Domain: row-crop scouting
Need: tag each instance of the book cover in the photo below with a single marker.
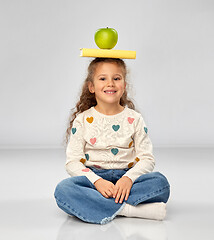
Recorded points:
(106, 53)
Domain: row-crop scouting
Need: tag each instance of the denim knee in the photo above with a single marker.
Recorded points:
(150, 187)
(63, 187)
(164, 187)
(71, 187)
(161, 179)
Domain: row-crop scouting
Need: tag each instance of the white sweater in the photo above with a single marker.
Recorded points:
(109, 142)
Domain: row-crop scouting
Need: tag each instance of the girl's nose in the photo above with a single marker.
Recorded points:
(111, 82)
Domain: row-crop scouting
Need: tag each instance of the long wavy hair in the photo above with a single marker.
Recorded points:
(88, 100)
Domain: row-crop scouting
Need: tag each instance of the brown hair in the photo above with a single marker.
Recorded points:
(87, 99)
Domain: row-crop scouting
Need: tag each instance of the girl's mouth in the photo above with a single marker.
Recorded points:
(110, 92)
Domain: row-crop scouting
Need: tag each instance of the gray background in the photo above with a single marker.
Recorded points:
(41, 72)
(171, 81)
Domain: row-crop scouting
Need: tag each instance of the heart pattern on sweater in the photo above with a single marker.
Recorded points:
(87, 156)
(130, 120)
(130, 164)
(82, 160)
(73, 130)
(86, 170)
(93, 140)
(146, 129)
(130, 144)
(90, 119)
(116, 127)
(114, 151)
(97, 166)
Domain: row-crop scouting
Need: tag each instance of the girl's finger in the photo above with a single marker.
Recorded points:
(127, 195)
(111, 189)
(105, 195)
(118, 195)
(116, 189)
(109, 193)
(122, 196)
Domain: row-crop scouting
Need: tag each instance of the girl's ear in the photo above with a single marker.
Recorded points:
(90, 87)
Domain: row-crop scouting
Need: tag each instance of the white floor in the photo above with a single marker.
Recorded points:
(28, 210)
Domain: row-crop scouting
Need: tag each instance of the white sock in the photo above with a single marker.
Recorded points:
(155, 211)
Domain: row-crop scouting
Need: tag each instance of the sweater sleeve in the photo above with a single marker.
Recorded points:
(143, 147)
(75, 156)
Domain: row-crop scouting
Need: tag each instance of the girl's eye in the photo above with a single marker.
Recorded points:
(102, 79)
(117, 78)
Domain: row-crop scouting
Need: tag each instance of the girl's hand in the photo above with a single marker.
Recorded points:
(122, 189)
(106, 188)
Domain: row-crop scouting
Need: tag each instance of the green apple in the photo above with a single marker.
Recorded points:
(106, 38)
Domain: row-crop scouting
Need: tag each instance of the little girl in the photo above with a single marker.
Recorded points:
(109, 153)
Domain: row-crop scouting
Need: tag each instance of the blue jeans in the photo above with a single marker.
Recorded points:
(77, 196)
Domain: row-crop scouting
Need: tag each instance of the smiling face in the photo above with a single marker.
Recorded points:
(108, 84)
